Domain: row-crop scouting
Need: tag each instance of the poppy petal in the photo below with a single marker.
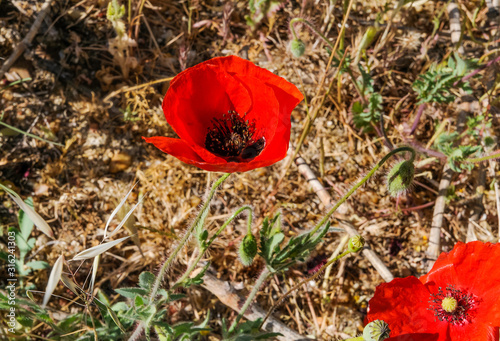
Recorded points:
(278, 147)
(182, 151)
(236, 65)
(474, 331)
(469, 267)
(264, 109)
(286, 93)
(415, 337)
(402, 303)
(193, 102)
(175, 147)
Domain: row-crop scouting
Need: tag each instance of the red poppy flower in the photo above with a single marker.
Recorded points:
(458, 300)
(230, 115)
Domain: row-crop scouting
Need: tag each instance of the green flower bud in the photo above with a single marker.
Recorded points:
(400, 178)
(356, 243)
(377, 330)
(297, 47)
(248, 249)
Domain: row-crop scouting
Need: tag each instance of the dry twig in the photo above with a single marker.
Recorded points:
(23, 45)
(227, 295)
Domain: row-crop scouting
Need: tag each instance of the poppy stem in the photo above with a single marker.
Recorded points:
(201, 216)
(235, 214)
(205, 247)
(295, 287)
(483, 158)
(264, 275)
(365, 179)
(359, 338)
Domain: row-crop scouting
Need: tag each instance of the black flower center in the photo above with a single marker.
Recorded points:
(453, 306)
(232, 137)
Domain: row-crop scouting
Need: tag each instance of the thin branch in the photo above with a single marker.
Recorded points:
(227, 295)
(23, 45)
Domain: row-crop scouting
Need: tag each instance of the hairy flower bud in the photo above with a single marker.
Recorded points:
(400, 178)
(248, 249)
(297, 47)
(377, 330)
(356, 243)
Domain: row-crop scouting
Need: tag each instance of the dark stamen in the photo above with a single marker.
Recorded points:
(233, 137)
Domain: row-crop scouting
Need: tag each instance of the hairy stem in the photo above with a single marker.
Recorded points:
(172, 256)
(359, 338)
(295, 287)
(235, 214)
(483, 158)
(219, 231)
(137, 332)
(262, 278)
(365, 179)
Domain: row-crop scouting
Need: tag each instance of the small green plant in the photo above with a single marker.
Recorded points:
(460, 149)
(366, 113)
(120, 46)
(435, 85)
(261, 9)
(24, 244)
(129, 115)
(247, 331)
(445, 143)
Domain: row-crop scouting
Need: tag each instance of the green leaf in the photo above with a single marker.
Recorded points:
(176, 297)
(25, 223)
(199, 226)
(24, 320)
(24, 245)
(139, 301)
(115, 318)
(298, 248)
(146, 280)
(197, 280)
(146, 314)
(103, 298)
(38, 265)
(357, 108)
(249, 331)
(120, 306)
(164, 331)
(131, 292)
(273, 244)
